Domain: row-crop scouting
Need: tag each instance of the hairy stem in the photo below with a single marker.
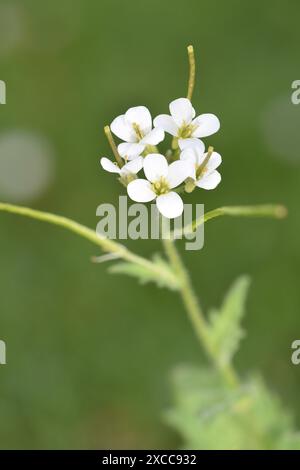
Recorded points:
(107, 245)
(195, 313)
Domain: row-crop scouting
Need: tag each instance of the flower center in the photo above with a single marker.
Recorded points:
(126, 178)
(161, 186)
(186, 131)
(137, 131)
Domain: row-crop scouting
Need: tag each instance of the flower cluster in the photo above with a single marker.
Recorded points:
(185, 166)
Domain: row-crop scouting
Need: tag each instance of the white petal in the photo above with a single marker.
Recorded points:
(170, 205)
(130, 151)
(197, 153)
(182, 111)
(185, 143)
(141, 116)
(108, 165)
(189, 154)
(214, 161)
(190, 157)
(155, 166)
(167, 123)
(209, 181)
(207, 124)
(153, 137)
(134, 166)
(178, 172)
(140, 191)
(122, 129)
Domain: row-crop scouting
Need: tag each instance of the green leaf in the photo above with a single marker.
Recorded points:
(209, 415)
(225, 329)
(160, 273)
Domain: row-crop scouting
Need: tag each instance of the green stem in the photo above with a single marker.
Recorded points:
(113, 146)
(187, 293)
(107, 245)
(195, 313)
(192, 72)
(274, 211)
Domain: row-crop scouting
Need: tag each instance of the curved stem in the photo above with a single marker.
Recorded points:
(273, 211)
(276, 211)
(195, 313)
(107, 245)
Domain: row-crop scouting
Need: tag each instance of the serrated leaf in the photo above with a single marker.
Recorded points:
(209, 415)
(225, 323)
(160, 272)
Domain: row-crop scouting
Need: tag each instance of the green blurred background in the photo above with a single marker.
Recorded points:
(89, 354)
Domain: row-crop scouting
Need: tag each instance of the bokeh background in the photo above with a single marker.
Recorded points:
(89, 354)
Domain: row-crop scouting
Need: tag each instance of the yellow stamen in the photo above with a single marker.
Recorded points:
(161, 186)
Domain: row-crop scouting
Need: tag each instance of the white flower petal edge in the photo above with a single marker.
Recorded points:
(192, 154)
(166, 122)
(140, 191)
(207, 124)
(191, 142)
(213, 163)
(155, 166)
(109, 166)
(122, 129)
(182, 111)
(170, 205)
(153, 137)
(130, 150)
(177, 172)
(133, 167)
(183, 124)
(141, 116)
(209, 181)
(210, 178)
(135, 127)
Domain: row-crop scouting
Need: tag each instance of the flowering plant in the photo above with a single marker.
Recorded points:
(213, 407)
(185, 162)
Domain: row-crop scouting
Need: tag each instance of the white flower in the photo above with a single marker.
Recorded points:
(183, 124)
(203, 172)
(161, 179)
(135, 128)
(130, 168)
